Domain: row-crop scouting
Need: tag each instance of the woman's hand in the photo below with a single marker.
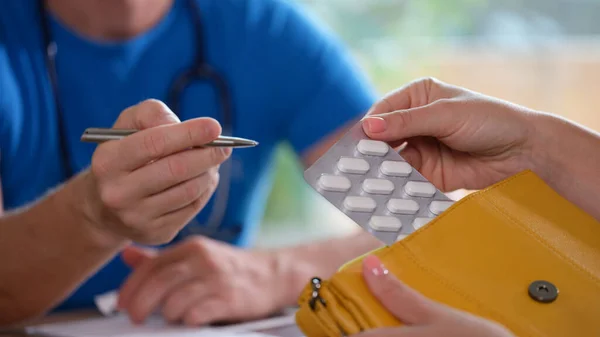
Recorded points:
(456, 138)
(422, 317)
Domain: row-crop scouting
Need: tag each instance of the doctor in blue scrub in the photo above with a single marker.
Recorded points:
(74, 214)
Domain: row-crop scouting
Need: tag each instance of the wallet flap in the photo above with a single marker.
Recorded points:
(496, 244)
(542, 213)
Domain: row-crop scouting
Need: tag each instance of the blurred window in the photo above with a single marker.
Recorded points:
(544, 54)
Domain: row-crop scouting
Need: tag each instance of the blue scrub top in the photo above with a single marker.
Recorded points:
(290, 81)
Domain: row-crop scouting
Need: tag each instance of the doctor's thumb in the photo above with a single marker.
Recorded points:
(134, 256)
(406, 304)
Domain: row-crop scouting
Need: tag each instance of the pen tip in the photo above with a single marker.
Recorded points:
(249, 143)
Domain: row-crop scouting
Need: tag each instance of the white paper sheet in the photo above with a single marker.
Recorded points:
(120, 326)
(107, 302)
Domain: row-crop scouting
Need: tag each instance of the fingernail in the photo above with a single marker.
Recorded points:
(374, 124)
(374, 264)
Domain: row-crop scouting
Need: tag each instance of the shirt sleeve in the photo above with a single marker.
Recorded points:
(317, 86)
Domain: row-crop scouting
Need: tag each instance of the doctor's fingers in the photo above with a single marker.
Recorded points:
(160, 176)
(170, 260)
(209, 310)
(147, 145)
(146, 114)
(175, 287)
(199, 188)
(182, 300)
(184, 260)
(139, 229)
(162, 215)
(155, 289)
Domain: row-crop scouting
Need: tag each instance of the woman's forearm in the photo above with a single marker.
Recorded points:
(567, 157)
(47, 250)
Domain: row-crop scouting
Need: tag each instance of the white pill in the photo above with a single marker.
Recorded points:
(395, 168)
(437, 207)
(378, 186)
(420, 222)
(372, 147)
(419, 189)
(353, 165)
(334, 183)
(402, 206)
(385, 223)
(360, 204)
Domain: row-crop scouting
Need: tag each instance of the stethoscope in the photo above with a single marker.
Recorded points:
(199, 71)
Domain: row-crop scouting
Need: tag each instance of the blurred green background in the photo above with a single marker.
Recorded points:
(540, 53)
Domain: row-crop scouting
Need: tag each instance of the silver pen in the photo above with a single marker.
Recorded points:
(99, 135)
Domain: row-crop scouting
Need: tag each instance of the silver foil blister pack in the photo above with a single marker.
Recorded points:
(374, 186)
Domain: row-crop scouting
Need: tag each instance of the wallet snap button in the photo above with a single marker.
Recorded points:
(316, 296)
(543, 291)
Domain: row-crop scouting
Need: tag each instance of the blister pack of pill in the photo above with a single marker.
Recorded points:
(373, 185)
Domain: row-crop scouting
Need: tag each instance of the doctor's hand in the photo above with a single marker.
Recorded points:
(200, 281)
(456, 138)
(421, 316)
(147, 186)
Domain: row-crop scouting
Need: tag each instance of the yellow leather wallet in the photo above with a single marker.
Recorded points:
(516, 253)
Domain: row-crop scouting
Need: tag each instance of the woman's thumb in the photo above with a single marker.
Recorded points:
(406, 304)
(433, 120)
